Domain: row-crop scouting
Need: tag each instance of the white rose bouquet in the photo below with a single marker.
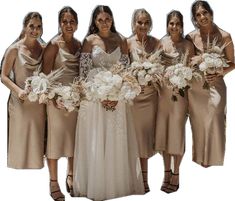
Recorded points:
(69, 97)
(178, 77)
(113, 85)
(147, 67)
(39, 87)
(212, 61)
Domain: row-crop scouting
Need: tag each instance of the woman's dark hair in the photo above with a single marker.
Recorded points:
(67, 9)
(194, 8)
(175, 13)
(138, 12)
(92, 27)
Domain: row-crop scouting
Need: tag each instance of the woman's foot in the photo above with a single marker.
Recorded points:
(166, 180)
(55, 191)
(173, 186)
(69, 185)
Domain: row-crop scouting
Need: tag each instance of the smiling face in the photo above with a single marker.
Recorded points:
(68, 23)
(142, 24)
(34, 28)
(174, 26)
(103, 22)
(203, 17)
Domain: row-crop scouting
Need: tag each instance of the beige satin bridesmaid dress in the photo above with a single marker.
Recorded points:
(62, 124)
(207, 113)
(171, 115)
(26, 120)
(144, 112)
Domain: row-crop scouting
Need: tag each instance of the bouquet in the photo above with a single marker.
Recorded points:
(69, 97)
(115, 84)
(178, 77)
(147, 67)
(40, 86)
(211, 61)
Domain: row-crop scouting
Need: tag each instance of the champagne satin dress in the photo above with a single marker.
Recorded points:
(171, 117)
(144, 112)
(62, 124)
(207, 113)
(26, 120)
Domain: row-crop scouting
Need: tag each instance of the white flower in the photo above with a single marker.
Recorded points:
(203, 66)
(51, 94)
(141, 73)
(32, 96)
(148, 78)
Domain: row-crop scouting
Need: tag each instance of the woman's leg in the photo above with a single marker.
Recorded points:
(144, 167)
(174, 181)
(69, 178)
(167, 171)
(55, 191)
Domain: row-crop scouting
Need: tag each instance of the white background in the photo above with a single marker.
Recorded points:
(196, 183)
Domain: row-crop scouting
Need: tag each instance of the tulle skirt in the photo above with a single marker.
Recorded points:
(106, 162)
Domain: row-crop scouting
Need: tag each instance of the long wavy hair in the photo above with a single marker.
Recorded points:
(98, 9)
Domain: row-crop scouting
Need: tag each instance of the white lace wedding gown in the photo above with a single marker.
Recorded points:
(106, 163)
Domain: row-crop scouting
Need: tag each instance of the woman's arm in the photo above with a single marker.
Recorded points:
(229, 54)
(49, 57)
(7, 66)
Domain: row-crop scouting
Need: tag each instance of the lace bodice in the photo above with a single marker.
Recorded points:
(98, 58)
(101, 58)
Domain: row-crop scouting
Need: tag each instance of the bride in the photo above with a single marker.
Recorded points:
(106, 163)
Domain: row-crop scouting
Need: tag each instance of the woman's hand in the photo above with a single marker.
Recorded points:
(142, 89)
(109, 105)
(210, 78)
(59, 104)
(22, 95)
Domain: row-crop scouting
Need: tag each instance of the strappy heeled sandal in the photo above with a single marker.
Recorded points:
(69, 187)
(171, 188)
(55, 191)
(146, 186)
(166, 180)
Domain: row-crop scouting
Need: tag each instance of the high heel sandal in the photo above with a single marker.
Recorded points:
(55, 191)
(166, 180)
(171, 188)
(69, 187)
(146, 186)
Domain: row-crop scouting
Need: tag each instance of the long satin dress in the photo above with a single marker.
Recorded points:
(207, 112)
(171, 119)
(144, 112)
(106, 159)
(62, 124)
(26, 120)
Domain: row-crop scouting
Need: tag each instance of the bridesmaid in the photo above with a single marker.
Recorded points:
(25, 129)
(146, 102)
(207, 119)
(62, 51)
(172, 115)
